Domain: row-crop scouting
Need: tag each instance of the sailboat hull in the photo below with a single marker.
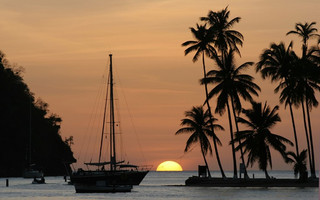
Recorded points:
(102, 188)
(106, 181)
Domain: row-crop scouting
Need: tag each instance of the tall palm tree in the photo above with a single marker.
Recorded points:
(258, 139)
(301, 86)
(307, 74)
(230, 83)
(307, 31)
(202, 46)
(300, 163)
(312, 84)
(277, 62)
(199, 123)
(223, 37)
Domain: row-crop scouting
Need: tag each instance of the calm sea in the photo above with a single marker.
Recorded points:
(156, 186)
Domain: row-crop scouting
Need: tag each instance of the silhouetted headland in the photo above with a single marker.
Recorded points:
(28, 128)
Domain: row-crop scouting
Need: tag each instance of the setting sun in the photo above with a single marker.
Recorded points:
(169, 166)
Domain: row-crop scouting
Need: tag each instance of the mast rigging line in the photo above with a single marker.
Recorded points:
(104, 119)
(131, 118)
(87, 138)
(119, 126)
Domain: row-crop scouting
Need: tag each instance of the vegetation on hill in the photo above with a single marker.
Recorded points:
(29, 133)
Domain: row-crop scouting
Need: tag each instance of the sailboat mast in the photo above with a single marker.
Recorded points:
(112, 129)
(30, 132)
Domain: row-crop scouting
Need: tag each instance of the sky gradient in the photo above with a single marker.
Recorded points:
(64, 46)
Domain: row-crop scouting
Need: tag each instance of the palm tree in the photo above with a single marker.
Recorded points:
(258, 138)
(223, 37)
(300, 87)
(307, 31)
(202, 45)
(199, 124)
(300, 164)
(312, 83)
(230, 84)
(277, 63)
(307, 74)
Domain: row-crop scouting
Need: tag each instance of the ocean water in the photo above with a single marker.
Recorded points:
(156, 186)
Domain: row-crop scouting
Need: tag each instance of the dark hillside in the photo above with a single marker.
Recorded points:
(22, 116)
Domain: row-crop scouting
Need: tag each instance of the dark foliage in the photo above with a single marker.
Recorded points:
(20, 117)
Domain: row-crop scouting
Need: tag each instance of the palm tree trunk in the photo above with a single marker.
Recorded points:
(205, 161)
(294, 129)
(235, 174)
(218, 158)
(306, 130)
(241, 151)
(304, 49)
(210, 114)
(266, 173)
(313, 173)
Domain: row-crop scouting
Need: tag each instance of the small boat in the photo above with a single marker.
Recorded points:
(119, 177)
(38, 181)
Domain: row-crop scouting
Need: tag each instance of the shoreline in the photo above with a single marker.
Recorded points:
(257, 182)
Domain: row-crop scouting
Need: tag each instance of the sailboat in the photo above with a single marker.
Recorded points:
(31, 171)
(119, 176)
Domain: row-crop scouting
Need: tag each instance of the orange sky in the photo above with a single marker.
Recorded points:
(64, 47)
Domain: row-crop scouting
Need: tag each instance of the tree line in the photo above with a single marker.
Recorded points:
(297, 78)
(30, 134)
